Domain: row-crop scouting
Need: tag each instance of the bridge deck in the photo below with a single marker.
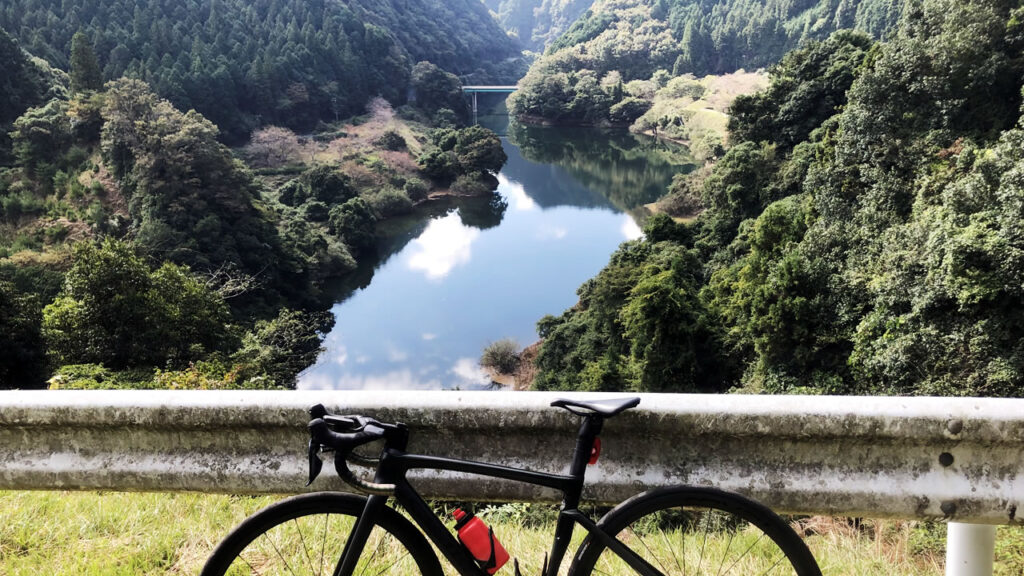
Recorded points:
(470, 89)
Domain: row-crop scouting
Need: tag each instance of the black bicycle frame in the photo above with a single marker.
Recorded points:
(395, 463)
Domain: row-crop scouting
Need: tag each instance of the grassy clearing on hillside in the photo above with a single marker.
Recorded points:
(88, 533)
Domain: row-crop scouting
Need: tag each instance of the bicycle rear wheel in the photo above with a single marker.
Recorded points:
(305, 535)
(697, 531)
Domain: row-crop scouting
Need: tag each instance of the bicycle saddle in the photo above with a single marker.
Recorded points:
(606, 408)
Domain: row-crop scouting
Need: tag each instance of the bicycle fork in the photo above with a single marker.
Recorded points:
(360, 534)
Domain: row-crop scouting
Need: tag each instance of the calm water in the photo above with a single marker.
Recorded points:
(460, 274)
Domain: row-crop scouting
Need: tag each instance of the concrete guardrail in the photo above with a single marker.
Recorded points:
(957, 459)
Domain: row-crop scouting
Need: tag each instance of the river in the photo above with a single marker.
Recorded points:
(459, 274)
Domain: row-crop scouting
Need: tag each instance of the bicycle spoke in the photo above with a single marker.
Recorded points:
(745, 552)
(251, 567)
(773, 566)
(672, 550)
(368, 561)
(638, 537)
(704, 542)
(726, 553)
(388, 567)
(298, 529)
(323, 546)
(279, 555)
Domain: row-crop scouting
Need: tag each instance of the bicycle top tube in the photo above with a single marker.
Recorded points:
(358, 430)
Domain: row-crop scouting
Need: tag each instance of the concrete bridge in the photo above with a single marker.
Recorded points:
(474, 90)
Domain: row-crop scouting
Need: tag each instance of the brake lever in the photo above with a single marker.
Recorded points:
(315, 463)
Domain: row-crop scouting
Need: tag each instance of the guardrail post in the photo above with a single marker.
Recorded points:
(970, 549)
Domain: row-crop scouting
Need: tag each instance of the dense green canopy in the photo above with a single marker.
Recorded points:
(242, 63)
(862, 234)
(626, 40)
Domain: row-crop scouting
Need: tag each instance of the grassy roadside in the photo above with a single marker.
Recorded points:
(88, 533)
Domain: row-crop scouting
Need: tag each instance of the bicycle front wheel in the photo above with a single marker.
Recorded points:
(697, 531)
(305, 535)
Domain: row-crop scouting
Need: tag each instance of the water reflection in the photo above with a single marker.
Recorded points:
(593, 167)
(460, 273)
(445, 244)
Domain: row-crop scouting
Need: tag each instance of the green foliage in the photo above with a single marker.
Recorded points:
(476, 184)
(808, 86)
(315, 211)
(85, 70)
(502, 356)
(115, 311)
(191, 202)
(436, 89)
(416, 189)
(462, 151)
(628, 110)
(389, 202)
(479, 149)
(326, 184)
(862, 235)
(243, 63)
(22, 86)
(99, 377)
(40, 136)
(642, 39)
(355, 223)
(22, 356)
(391, 140)
(639, 326)
(738, 188)
(283, 347)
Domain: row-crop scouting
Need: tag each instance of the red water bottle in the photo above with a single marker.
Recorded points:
(480, 541)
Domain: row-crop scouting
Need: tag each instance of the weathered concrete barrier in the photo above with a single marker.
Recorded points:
(955, 458)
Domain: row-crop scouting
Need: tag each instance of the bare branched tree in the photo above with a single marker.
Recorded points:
(273, 146)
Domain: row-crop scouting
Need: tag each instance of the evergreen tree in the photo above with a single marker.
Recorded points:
(20, 85)
(85, 69)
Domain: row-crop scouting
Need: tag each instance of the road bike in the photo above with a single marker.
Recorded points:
(665, 531)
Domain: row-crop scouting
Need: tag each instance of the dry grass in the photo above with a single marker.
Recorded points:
(722, 90)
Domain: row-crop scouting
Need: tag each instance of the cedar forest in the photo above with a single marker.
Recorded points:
(858, 231)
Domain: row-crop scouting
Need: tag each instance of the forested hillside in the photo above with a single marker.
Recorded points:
(247, 63)
(138, 250)
(861, 235)
(580, 78)
(537, 23)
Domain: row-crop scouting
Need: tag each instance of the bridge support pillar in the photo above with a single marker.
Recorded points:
(970, 549)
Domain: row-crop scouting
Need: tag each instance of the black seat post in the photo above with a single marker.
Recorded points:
(590, 428)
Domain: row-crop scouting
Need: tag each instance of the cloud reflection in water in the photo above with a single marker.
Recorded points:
(444, 245)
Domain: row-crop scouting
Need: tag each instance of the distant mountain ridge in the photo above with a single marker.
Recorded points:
(537, 23)
(243, 63)
(618, 41)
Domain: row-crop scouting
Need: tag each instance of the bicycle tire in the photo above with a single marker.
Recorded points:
(670, 528)
(273, 541)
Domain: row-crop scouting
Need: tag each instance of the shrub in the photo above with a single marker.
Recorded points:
(390, 202)
(471, 185)
(416, 189)
(315, 211)
(99, 377)
(354, 223)
(502, 356)
(327, 184)
(115, 311)
(391, 140)
(283, 347)
(627, 111)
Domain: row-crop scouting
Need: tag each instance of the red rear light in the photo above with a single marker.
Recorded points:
(595, 452)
